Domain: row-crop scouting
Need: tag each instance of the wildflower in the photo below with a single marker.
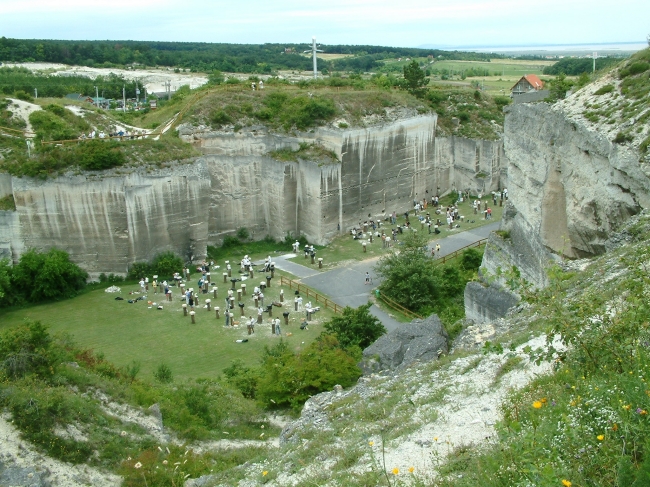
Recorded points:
(543, 400)
(395, 471)
(615, 427)
(600, 437)
(537, 404)
(435, 438)
(638, 410)
(265, 473)
(138, 465)
(165, 462)
(123, 433)
(643, 412)
(566, 483)
(411, 469)
(371, 443)
(627, 407)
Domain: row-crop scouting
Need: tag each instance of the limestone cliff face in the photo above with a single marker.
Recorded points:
(569, 187)
(570, 184)
(108, 220)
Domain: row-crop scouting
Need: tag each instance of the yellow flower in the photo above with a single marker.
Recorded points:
(566, 483)
(371, 443)
(600, 437)
(615, 427)
(435, 438)
(411, 469)
(395, 471)
(537, 404)
(543, 400)
(265, 473)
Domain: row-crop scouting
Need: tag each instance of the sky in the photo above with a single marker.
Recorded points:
(403, 23)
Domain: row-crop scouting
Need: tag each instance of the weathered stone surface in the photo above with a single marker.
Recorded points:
(487, 303)
(14, 476)
(108, 220)
(421, 340)
(569, 188)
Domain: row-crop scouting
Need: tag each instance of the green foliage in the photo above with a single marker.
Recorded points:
(604, 89)
(166, 264)
(24, 350)
(216, 77)
(577, 66)
(219, 118)
(415, 79)
(559, 87)
(288, 380)
(243, 234)
(471, 259)
(45, 276)
(163, 374)
(97, 155)
(622, 137)
(23, 95)
(410, 277)
(299, 111)
(242, 377)
(355, 327)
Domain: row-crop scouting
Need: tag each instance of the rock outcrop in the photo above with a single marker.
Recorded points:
(420, 340)
(569, 188)
(108, 220)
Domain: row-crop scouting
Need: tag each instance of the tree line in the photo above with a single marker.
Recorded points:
(206, 57)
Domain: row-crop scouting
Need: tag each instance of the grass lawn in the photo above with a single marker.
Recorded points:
(125, 332)
(345, 248)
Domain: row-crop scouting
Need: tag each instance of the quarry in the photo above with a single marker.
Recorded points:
(526, 394)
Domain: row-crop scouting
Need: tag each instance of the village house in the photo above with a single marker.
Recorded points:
(529, 83)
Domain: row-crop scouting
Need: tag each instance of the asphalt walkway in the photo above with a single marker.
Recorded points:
(346, 285)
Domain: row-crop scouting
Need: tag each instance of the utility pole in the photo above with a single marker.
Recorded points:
(169, 90)
(314, 50)
(96, 97)
(595, 56)
(124, 98)
(137, 94)
(36, 93)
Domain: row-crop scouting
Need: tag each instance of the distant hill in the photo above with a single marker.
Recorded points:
(206, 57)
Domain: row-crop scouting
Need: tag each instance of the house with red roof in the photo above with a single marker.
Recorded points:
(529, 83)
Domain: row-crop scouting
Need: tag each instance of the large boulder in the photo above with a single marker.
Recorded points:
(421, 340)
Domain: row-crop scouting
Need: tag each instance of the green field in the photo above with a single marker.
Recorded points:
(345, 248)
(126, 332)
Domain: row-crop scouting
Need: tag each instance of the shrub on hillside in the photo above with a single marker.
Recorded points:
(288, 380)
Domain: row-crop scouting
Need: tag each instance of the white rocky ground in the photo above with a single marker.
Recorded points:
(469, 392)
(14, 452)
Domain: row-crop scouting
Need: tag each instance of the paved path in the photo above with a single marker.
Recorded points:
(346, 285)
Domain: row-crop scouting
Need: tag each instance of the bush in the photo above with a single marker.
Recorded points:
(163, 374)
(221, 118)
(23, 95)
(622, 137)
(288, 380)
(355, 327)
(166, 264)
(24, 350)
(97, 155)
(471, 260)
(48, 276)
(604, 89)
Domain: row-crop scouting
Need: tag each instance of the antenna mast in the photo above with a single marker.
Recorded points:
(314, 50)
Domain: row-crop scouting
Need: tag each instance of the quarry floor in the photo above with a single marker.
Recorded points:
(346, 285)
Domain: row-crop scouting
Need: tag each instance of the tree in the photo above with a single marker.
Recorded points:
(50, 275)
(410, 276)
(415, 79)
(355, 327)
(559, 87)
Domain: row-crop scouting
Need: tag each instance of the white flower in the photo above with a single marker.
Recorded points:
(138, 465)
